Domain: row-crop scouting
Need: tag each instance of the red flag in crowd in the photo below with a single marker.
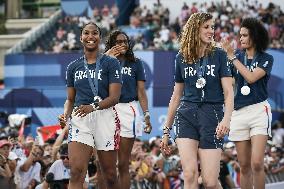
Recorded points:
(21, 130)
(47, 132)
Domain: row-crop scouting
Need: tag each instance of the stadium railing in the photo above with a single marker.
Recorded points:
(32, 35)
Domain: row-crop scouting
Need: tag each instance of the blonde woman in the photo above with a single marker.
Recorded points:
(203, 84)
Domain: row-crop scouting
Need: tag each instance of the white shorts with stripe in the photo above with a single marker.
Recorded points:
(130, 120)
(99, 129)
(251, 120)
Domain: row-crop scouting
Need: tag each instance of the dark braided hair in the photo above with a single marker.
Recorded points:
(111, 41)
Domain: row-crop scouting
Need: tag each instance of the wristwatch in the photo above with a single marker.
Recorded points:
(95, 106)
(232, 59)
(146, 114)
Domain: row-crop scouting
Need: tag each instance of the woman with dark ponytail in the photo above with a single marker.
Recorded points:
(93, 88)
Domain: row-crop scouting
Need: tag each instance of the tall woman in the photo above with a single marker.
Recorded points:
(93, 88)
(133, 90)
(203, 84)
(251, 120)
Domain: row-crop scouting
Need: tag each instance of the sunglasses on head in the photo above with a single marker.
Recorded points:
(64, 157)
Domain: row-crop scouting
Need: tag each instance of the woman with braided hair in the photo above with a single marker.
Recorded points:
(132, 91)
(203, 85)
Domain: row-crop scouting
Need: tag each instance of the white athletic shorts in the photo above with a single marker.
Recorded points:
(99, 129)
(130, 120)
(251, 120)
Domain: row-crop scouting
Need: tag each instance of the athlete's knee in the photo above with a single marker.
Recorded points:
(245, 167)
(76, 173)
(257, 166)
(123, 166)
(210, 183)
(110, 177)
(191, 175)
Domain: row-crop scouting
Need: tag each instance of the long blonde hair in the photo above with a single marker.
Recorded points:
(190, 42)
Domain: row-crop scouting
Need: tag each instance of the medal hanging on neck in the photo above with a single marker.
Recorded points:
(200, 69)
(245, 90)
(94, 84)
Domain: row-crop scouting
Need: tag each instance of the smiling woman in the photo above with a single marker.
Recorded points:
(93, 88)
(203, 84)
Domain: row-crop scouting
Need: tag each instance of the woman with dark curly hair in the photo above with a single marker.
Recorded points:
(251, 119)
(203, 85)
(133, 90)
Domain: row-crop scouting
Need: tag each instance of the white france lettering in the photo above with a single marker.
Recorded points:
(253, 66)
(100, 74)
(228, 63)
(189, 71)
(211, 69)
(185, 72)
(126, 71)
(78, 75)
(92, 73)
(83, 74)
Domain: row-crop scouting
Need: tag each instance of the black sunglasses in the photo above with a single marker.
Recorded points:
(63, 157)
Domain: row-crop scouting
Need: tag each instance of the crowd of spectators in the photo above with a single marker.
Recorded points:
(27, 162)
(155, 29)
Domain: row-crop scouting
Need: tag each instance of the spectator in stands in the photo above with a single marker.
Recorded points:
(96, 14)
(47, 149)
(5, 147)
(196, 106)
(225, 177)
(71, 40)
(133, 88)
(39, 49)
(230, 156)
(155, 149)
(251, 120)
(59, 141)
(278, 165)
(12, 162)
(5, 171)
(114, 11)
(94, 120)
(60, 170)
(28, 170)
(277, 134)
(57, 48)
(171, 167)
(60, 33)
(138, 44)
(185, 13)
